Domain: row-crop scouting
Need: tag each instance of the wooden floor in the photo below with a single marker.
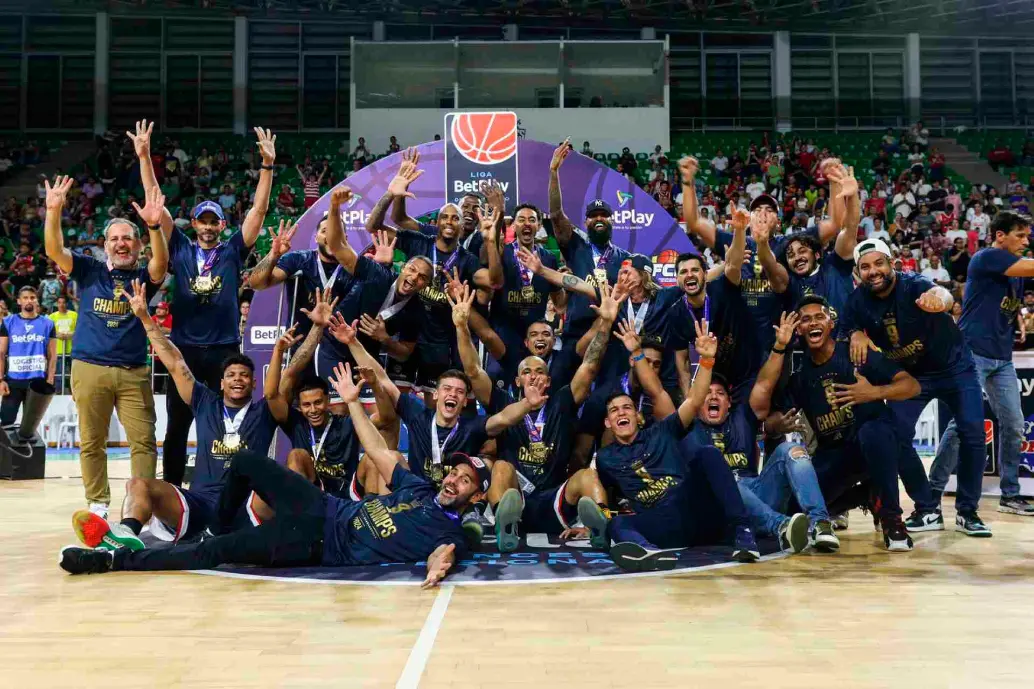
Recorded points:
(956, 612)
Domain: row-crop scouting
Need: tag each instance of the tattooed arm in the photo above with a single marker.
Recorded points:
(566, 281)
(375, 220)
(562, 227)
(606, 313)
(169, 353)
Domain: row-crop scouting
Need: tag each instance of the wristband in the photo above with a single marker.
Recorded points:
(266, 167)
(154, 228)
(638, 357)
(778, 351)
(707, 362)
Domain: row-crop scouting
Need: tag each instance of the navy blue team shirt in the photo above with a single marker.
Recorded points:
(469, 437)
(544, 462)
(811, 390)
(990, 304)
(615, 359)
(647, 470)
(199, 313)
(735, 438)
(924, 344)
(579, 257)
(833, 279)
(338, 457)
(513, 310)
(108, 333)
(213, 457)
(405, 526)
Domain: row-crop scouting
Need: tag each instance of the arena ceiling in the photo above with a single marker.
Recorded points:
(985, 17)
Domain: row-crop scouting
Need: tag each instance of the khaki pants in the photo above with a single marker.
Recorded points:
(97, 391)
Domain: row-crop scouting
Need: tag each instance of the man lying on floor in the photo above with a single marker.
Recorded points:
(411, 524)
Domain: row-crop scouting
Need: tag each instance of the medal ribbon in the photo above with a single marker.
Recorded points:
(317, 447)
(206, 258)
(436, 449)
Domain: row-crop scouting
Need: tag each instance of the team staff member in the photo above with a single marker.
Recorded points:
(908, 318)
(590, 255)
(205, 310)
(412, 524)
(109, 348)
(228, 423)
(994, 288)
(64, 325)
(28, 358)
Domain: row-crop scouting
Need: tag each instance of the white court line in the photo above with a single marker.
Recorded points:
(421, 652)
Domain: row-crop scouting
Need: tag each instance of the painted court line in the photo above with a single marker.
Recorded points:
(421, 652)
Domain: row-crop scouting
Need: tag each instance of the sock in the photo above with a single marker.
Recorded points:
(133, 524)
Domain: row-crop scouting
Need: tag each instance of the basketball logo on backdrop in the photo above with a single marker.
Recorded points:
(480, 147)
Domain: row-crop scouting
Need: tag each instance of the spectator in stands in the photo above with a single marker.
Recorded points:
(979, 221)
(622, 170)
(755, 188)
(889, 142)
(586, 149)
(879, 232)
(925, 220)
(994, 201)
(919, 135)
(312, 187)
(916, 159)
(1000, 156)
(357, 165)
(719, 163)
(773, 170)
(958, 260)
(657, 175)
(627, 159)
(285, 200)
(50, 288)
(937, 197)
(393, 145)
(904, 202)
(92, 189)
(228, 199)
(64, 328)
(658, 157)
(361, 152)
(664, 198)
(938, 273)
(937, 166)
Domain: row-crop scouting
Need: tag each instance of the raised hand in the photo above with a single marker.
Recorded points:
(494, 196)
(706, 343)
(461, 300)
(137, 299)
(931, 301)
(628, 336)
(786, 327)
(151, 213)
(453, 284)
(373, 328)
(142, 138)
(342, 331)
(529, 259)
(343, 383)
(759, 227)
(412, 156)
(383, 247)
(487, 221)
(340, 196)
(323, 308)
(57, 194)
(688, 167)
(856, 393)
(266, 145)
(281, 242)
(740, 219)
(560, 155)
(608, 308)
(535, 394)
(407, 174)
(287, 340)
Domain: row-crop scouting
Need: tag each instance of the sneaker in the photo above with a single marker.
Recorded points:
(633, 557)
(840, 521)
(896, 537)
(595, 520)
(1016, 505)
(507, 514)
(473, 530)
(972, 525)
(823, 539)
(100, 509)
(745, 548)
(76, 560)
(95, 532)
(927, 521)
(793, 533)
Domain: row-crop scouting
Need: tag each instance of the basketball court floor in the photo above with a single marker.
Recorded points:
(953, 613)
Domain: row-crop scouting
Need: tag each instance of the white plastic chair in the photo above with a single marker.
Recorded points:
(72, 426)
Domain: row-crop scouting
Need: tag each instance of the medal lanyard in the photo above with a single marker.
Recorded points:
(448, 513)
(449, 262)
(627, 389)
(324, 280)
(387, 308)
(206, 258)
(317, 447)
(233, 423)
(535, 427)
(707, 309)
(436, 449)
(600, 260)
(638, 318)
(523, 270)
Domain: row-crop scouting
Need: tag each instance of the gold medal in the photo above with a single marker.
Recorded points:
(232, 441)
(527, 292)
(203, 284)
(600, 276)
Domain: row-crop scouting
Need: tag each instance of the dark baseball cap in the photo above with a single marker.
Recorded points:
(484, 474)
(763, 200)
(639, 262)
(598, 206)
(208, 207)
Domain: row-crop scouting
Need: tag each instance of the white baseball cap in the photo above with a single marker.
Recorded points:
(868, 245)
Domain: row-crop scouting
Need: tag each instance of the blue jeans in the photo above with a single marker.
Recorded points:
(767, 495)
(1000, 384)
(965, 399)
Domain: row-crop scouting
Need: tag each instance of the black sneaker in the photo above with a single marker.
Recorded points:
(972, 525)
(76, 560)
(745, 548)
(507, 515)
(927, 521)
(1016, 505)
(793, 533)
(896, 537)
(823, 538)
(633, 557)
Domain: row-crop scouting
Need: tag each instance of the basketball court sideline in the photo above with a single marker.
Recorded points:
(945, 615)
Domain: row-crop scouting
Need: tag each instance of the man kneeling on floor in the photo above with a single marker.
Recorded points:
(411, 524)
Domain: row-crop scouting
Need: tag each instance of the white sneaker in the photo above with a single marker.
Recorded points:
(100, 509)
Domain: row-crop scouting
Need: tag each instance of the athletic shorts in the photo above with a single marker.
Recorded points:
(546, 511)
(401, 373)
(200, 511)
(431, 361)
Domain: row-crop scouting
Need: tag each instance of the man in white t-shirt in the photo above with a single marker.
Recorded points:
(937, 272)
(719, 163)
(978, 220)
(755, 188)
(879, 232)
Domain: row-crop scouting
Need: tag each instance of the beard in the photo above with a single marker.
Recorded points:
(599, 232)
(124, 263)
